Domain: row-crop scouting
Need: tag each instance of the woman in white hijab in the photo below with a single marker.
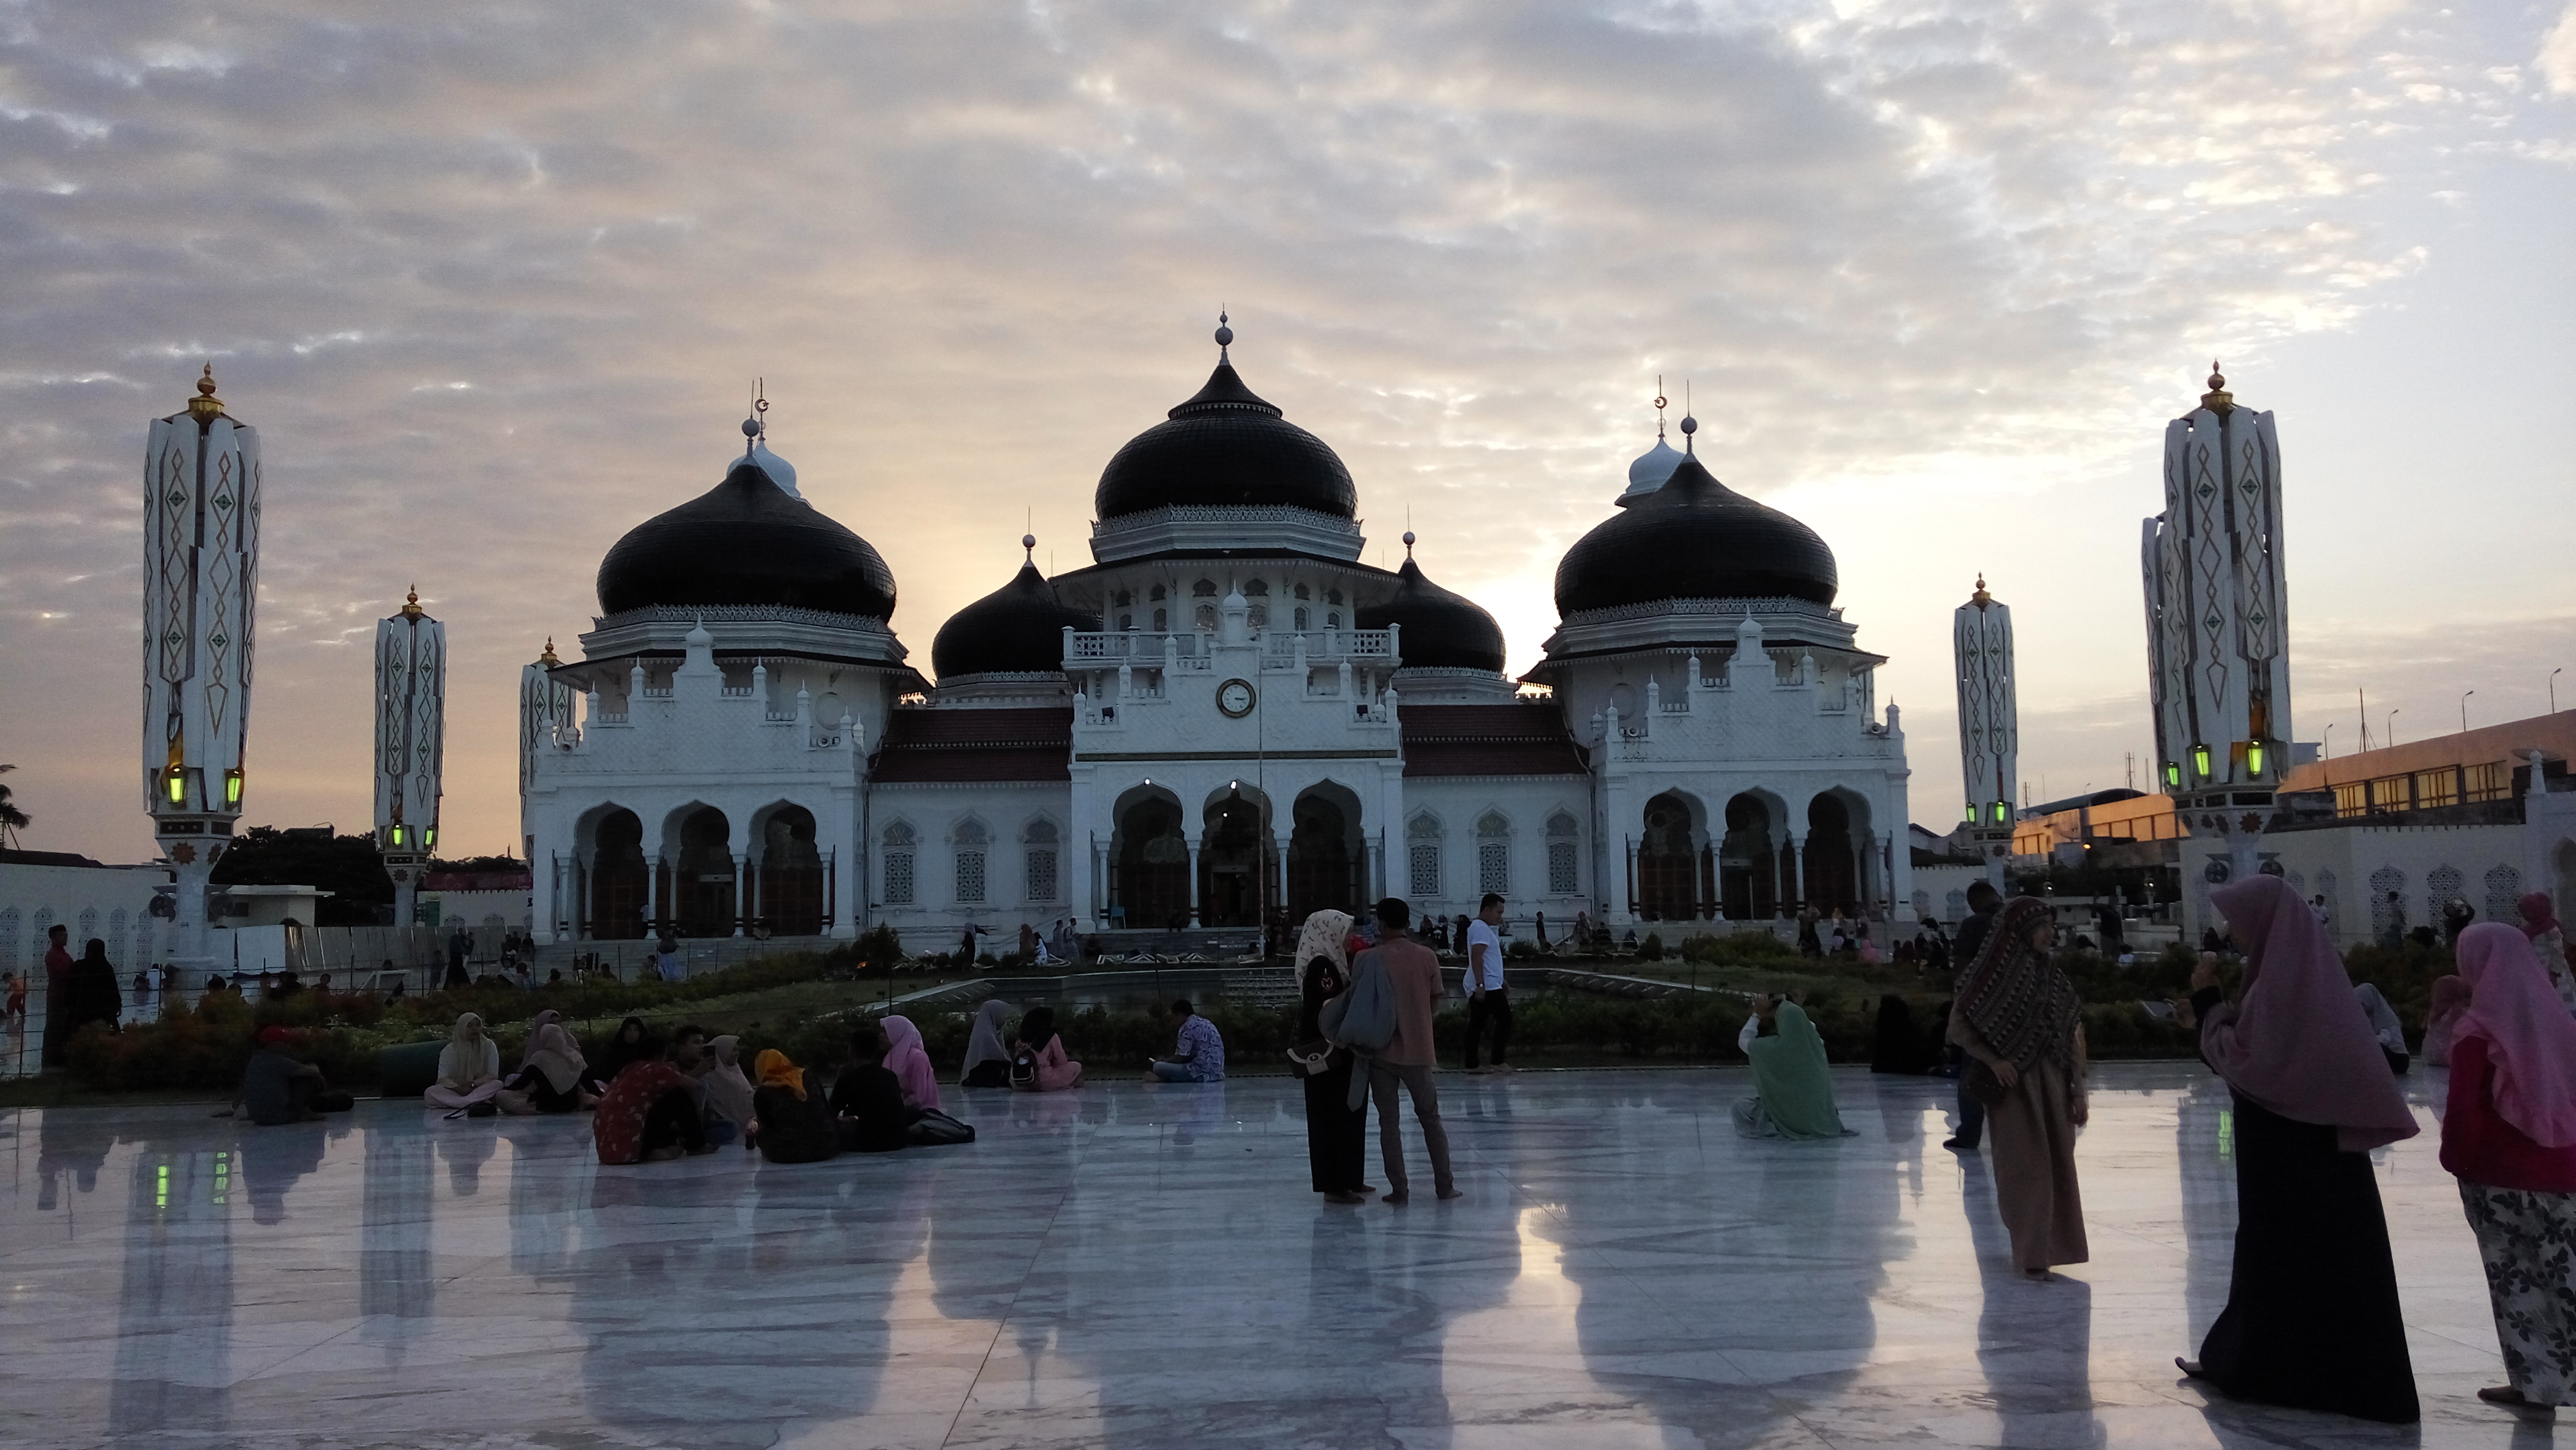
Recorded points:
(1336, 1132)
(469, 1068)
(988, 1058)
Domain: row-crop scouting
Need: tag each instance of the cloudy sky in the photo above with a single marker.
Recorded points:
(494, 280)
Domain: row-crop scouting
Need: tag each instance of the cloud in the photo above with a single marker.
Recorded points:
(494, 280)
(2557, 60)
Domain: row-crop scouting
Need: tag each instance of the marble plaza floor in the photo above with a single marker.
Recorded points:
(1145, 1267)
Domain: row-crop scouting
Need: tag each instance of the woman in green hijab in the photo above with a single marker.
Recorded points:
(1793, 1089)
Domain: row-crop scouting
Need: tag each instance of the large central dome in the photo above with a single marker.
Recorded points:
(1225, 447)
(745, 542)
(1694, 538)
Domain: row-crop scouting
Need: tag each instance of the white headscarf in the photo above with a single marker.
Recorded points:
(465, 1061)
(984, 1040)
(1326, 934)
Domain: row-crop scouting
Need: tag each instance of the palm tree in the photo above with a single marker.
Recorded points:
(12, 819)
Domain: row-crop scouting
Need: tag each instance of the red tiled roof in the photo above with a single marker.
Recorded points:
(1488, 740)
(966, 745)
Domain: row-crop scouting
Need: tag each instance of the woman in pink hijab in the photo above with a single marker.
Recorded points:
(2312, 1318)
(2509, 1135)
(909, 1061)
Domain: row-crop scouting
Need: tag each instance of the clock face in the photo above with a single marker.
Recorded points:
(1234, 697)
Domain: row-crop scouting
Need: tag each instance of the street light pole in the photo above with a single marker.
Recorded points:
(2329, 745)
(2392, 725)
(2464, 710)
(2553, 688)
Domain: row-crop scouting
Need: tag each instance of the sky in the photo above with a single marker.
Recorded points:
(494, 281)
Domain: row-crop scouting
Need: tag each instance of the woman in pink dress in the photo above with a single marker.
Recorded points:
(1038, 1063)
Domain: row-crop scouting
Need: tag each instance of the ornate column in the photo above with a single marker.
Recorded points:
(411, 726)
(742, 893)
(1194, 880)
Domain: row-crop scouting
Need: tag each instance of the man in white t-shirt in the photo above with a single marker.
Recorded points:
(1486, 999)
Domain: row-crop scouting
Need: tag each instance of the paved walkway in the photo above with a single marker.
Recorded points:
(1135, 1266)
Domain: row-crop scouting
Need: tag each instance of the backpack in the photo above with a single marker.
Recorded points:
(935, 1129)
(1363, 1018)
(1024, 1070)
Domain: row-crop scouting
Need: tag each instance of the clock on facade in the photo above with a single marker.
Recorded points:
(1234, 697)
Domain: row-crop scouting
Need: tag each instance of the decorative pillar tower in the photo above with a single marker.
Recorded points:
(1989, 724)
(411, 730)
(2217, 611)
(545, 716)
(200, 596)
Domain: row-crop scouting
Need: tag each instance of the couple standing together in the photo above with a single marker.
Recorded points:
(1349, 991)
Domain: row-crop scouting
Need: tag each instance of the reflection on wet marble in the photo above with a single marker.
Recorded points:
(1143, 1266)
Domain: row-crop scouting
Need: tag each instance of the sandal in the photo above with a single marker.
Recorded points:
(2191, 1368)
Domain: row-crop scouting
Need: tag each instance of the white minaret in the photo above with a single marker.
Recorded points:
(545, 717)
(200, 596)
(1989, 724)
(2217, 616)
(411, 731)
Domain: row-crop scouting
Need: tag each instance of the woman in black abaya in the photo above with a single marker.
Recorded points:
(1336, 1132)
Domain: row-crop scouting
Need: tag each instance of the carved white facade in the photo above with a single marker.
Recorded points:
(411, 745)
(201, 507)
(1981, 645)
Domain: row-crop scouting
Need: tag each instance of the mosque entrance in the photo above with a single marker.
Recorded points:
(1833, 872)
(703, 887)
(617, 878)
(1748, 863)
(1233, 861)
(790, 883)
(1320, 859)
(1153, 885)
(1668, 865)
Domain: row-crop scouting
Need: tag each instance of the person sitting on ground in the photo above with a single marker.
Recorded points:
(1038, 1063)
(469, 1070)
(869, 1114)
(909, 1061)
(988, 1056)
(277, 1088)
(731, 1112)
(1198, 1053)
(795, 1125)
(655, 1111)
(1793, 1088)
(633, 1043)
(552, 1076)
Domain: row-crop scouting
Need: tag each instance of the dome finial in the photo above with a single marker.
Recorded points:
(2217, 399)
(1408, 543)
(411, 603)
(755, 424)
(1224, 336)
(205, 405)
(1660, 402)
(1981, 598)
(1690, 425)
(1029, 545)
(549, 658)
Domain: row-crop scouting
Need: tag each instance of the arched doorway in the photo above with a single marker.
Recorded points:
(1667, 862)
(1235, 859)
(791, 873)
(1748, 862)
(1153, 885)
(702, 897)
(1322, 851)
(617, 879)
(1833, 877)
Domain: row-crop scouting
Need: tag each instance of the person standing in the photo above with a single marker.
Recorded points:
(2549, 943)
(1983, 902)
(2017, 1019)
(1413, 978)
(91, 994)
(2312, 1318)
(58, 991)
(459, 947)
(1336, 1127)
(1487, 1001)
(2509, 1136)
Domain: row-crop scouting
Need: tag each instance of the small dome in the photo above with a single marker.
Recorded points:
(1225, 447)
(1694, 538)
(745, 542)
(1441, 630)
(1018, 629)
(1652, 468)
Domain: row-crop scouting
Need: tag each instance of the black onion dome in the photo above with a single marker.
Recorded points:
(1694, 538)
(1441, 630)
(1018, 628)
(1225, 447)
(745, 542)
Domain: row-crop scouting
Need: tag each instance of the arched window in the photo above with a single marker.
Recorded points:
(1260, 616)
(1204, 589)
(1040, 841)
(88, 929)
(2387, 901)
(1422, 856)
(1126, 621)
(1207, 617)
(1302, 593)
(1122, 599)
(1256, 590)
(1564, 876)
(1332, 596)
(116, 940)
(2504, 893)
(1155, 595)
(899, 841)
(1494, 854)
(970, 839)
(1333, 620)
(1302, 624)
(9, 921)
(1162, 622)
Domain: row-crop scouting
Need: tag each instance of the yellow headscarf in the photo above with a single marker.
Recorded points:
(776, 1071)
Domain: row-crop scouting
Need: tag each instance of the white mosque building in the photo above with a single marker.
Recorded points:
(1226, 715)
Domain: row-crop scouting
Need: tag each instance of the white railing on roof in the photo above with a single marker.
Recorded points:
(1132, 646)
(1327, 645)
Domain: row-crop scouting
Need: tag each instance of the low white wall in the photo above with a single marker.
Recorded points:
(112, 903)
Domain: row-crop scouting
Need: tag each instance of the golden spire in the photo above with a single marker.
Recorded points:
(2217, 399)
(411, 603)
(548, 658)
(1981, 598)
(206, 405)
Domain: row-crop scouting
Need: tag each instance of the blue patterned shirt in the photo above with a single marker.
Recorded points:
(1205, 1048)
